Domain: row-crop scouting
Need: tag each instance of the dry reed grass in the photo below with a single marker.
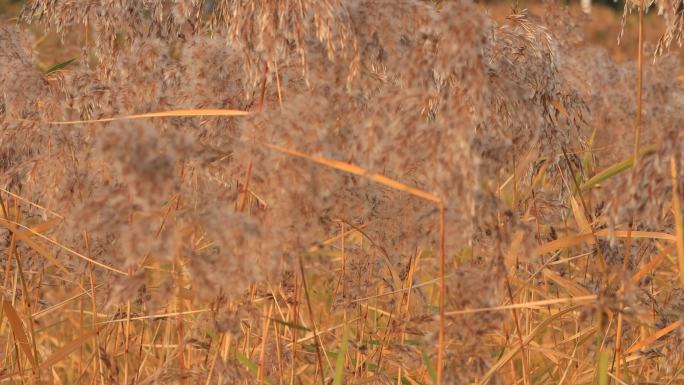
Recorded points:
(337, 192)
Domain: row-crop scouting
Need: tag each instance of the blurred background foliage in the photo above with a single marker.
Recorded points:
(601, 28)
(10, 7)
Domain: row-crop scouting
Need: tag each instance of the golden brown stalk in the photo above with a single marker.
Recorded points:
(262, 95)
(442, 294)
(245, 188)
(212, 365)
(313, 320)
(294, 320)
(637, 143)
(640, 79)
(518, 330)
(356, 170)
(679, 221)
(127, 333)
(587, 212)
(264, 337)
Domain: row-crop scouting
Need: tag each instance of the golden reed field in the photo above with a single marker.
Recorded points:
(334, 192)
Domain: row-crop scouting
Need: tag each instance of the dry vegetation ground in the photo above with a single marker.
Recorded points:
(339, 192)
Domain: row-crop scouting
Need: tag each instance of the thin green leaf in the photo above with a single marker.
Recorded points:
(341, 358)
(250, 365)
(603, 368)
(406, 381)
(428, 364)
(290, 325)
(614, 169)
(60, 66)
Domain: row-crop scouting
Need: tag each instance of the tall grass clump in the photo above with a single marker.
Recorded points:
(337, 192)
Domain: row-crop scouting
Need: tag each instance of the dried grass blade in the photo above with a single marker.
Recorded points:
(35, 246)
(162, 114)
(575, 289)
(31, 203)
(18, 331)
(155, 316)
(562, 243)
(60, 354)
(6, 222)
(580, 218)
(356, 170)
(526, 305)
(45, 226)
(654, 337)
(652, 264)
(52, 308)
(576, 239)
(68, 348)
(637, 234)
(516, 348)
(310, 336)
